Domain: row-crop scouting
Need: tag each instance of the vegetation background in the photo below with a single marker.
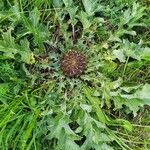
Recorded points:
(106, 108)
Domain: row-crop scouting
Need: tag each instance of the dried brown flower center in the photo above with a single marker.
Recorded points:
(73, 63)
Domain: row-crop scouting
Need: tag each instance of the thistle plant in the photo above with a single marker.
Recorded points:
(74, 75)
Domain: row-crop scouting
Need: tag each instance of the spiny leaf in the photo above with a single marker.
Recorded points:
(9, 48)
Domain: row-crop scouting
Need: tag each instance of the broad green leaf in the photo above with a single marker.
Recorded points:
(131, 88)
(57, 3)
(91, 6)
(145, 53)
(119, 54)
(86, 107)
(35, 17)
(132, 16)
(62, 131)
(130, 49)
(95, 102)
(133, 101)
(105, 147)
(132, 104)
(88, 6)
(68, 2)
(15, 13)
(72, 10)
(69, 144)
(140, 96)
(143, 94)
(85, 20)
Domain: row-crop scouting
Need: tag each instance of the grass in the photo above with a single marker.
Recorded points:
(107, 107)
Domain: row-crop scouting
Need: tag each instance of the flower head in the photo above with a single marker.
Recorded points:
(73, 63)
